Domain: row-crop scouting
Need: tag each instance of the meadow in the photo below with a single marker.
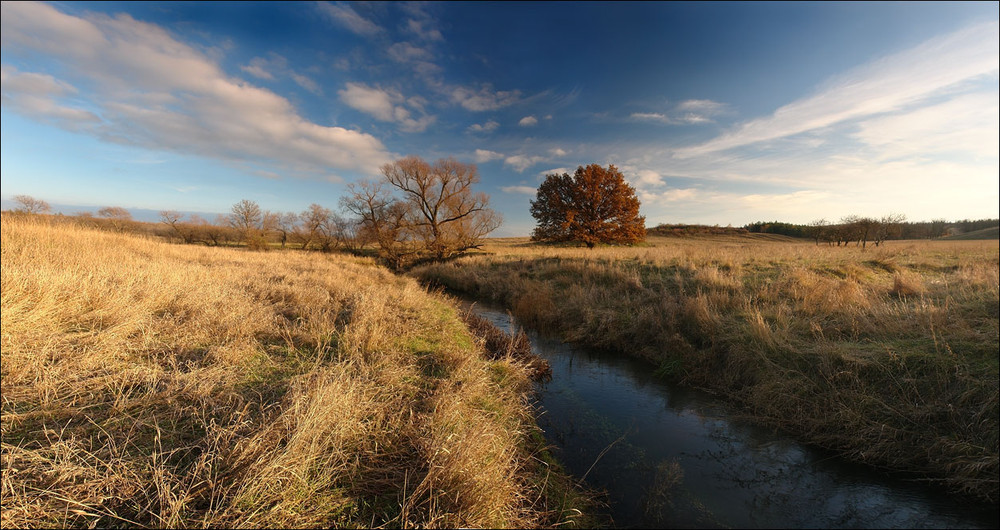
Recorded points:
(887, 356)
(147, 384)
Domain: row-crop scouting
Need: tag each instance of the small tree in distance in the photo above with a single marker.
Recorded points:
(593, 206)
(30, 204)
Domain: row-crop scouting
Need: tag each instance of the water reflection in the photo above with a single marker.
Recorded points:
(678, 458)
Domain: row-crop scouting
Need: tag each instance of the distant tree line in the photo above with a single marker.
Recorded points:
(863, 230)
(416, 211)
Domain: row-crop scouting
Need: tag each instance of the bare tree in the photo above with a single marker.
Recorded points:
(173, 219)
(30, 204)
(443, 212)
(819, 230)
(381, 219)
(285, 224)
(889, 226)
(311, 222)
(119, 217)
(247, 219)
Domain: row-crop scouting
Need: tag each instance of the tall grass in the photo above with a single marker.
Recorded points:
(154, 385)
(889, 356)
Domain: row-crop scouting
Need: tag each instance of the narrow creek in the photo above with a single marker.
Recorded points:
(673, 457)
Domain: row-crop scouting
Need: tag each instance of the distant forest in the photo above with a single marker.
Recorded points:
(851, 228)
(902, 230)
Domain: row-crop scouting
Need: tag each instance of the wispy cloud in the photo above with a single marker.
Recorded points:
(276, 65)
(689, 112)
(152, 90)
(424, 29)
(384, 105)
(404, 52)
(485, 98)
(885, 85)
(349, 19)
(650, 116)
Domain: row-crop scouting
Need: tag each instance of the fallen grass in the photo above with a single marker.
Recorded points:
(888, 356)
(154, 385)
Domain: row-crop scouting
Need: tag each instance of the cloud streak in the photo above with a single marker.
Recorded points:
(885, 85)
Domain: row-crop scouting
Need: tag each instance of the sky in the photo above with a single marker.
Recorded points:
(717, 113)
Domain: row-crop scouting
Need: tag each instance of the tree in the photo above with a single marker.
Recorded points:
(819, 230)
(593, 206)
(249, 221)
(30, 204)
(421, 210)
(119, 217)
(286, 223)
(172, 218)
(443, 211)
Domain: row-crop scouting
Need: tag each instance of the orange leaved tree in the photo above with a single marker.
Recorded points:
(593, 206)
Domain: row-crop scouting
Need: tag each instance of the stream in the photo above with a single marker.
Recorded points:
(666, 456)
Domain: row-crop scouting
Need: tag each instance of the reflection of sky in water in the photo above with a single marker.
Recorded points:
(734, 473)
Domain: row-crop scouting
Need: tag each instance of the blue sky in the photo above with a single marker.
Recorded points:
(718, 113)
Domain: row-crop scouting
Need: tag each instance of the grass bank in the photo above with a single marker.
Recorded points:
(888, 356)
(154, 385)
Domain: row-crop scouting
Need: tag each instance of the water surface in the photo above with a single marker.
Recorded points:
(673, 457)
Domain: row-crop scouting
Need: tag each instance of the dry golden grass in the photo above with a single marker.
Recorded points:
(889, 355)
(154, 385)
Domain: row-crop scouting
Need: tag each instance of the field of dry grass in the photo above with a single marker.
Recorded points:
(887, 355)
(155, 385)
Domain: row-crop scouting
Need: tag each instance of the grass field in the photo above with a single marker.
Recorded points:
(887, 355)
(154, 385)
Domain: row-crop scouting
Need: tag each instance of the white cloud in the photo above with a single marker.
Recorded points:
(557, 152)
(485, 98)
(154, 91)
(522, 162)
(555, 171)
(521, 190)
(487, 127)
(648, 177)
(349, 19)
(384, 105)
(885, 85)
(528, 121)
(482, 156)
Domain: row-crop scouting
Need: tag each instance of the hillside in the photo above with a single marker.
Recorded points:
(147, 384)
(986, 233)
